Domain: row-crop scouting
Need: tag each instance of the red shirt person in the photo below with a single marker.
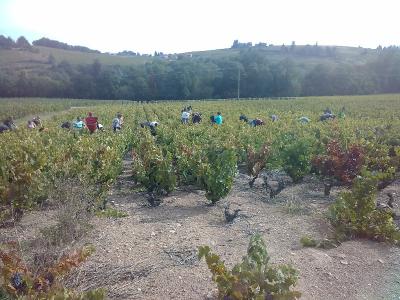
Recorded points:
(91, 122)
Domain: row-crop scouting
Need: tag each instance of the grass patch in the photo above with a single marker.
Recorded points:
(295, 206)
(111, 213)
(307, 241)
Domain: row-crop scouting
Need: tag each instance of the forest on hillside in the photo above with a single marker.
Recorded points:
(251, 74)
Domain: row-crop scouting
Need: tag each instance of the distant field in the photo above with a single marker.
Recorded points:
(40, 56)
(21, 107)
(369, 105)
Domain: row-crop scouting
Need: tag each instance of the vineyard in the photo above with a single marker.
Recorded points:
(23, 107)
(321, 197)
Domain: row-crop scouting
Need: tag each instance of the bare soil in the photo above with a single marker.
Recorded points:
(152, 253)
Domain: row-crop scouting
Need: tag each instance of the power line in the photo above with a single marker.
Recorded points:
(238, 85)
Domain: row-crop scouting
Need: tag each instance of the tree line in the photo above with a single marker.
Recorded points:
(251, 73)
(23, 43)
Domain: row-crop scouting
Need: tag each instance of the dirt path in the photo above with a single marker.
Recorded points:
(151, 254)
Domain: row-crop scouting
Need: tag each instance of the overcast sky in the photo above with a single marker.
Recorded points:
(174, 26)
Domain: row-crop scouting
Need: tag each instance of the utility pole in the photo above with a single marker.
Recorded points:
(238, 85)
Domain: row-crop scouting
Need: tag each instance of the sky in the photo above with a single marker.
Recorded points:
(176, 26)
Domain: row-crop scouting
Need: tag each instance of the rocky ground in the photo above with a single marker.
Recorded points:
(151, 253)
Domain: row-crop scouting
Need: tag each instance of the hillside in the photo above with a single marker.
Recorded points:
(275, 53)
(252, 71)
(38, 56)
